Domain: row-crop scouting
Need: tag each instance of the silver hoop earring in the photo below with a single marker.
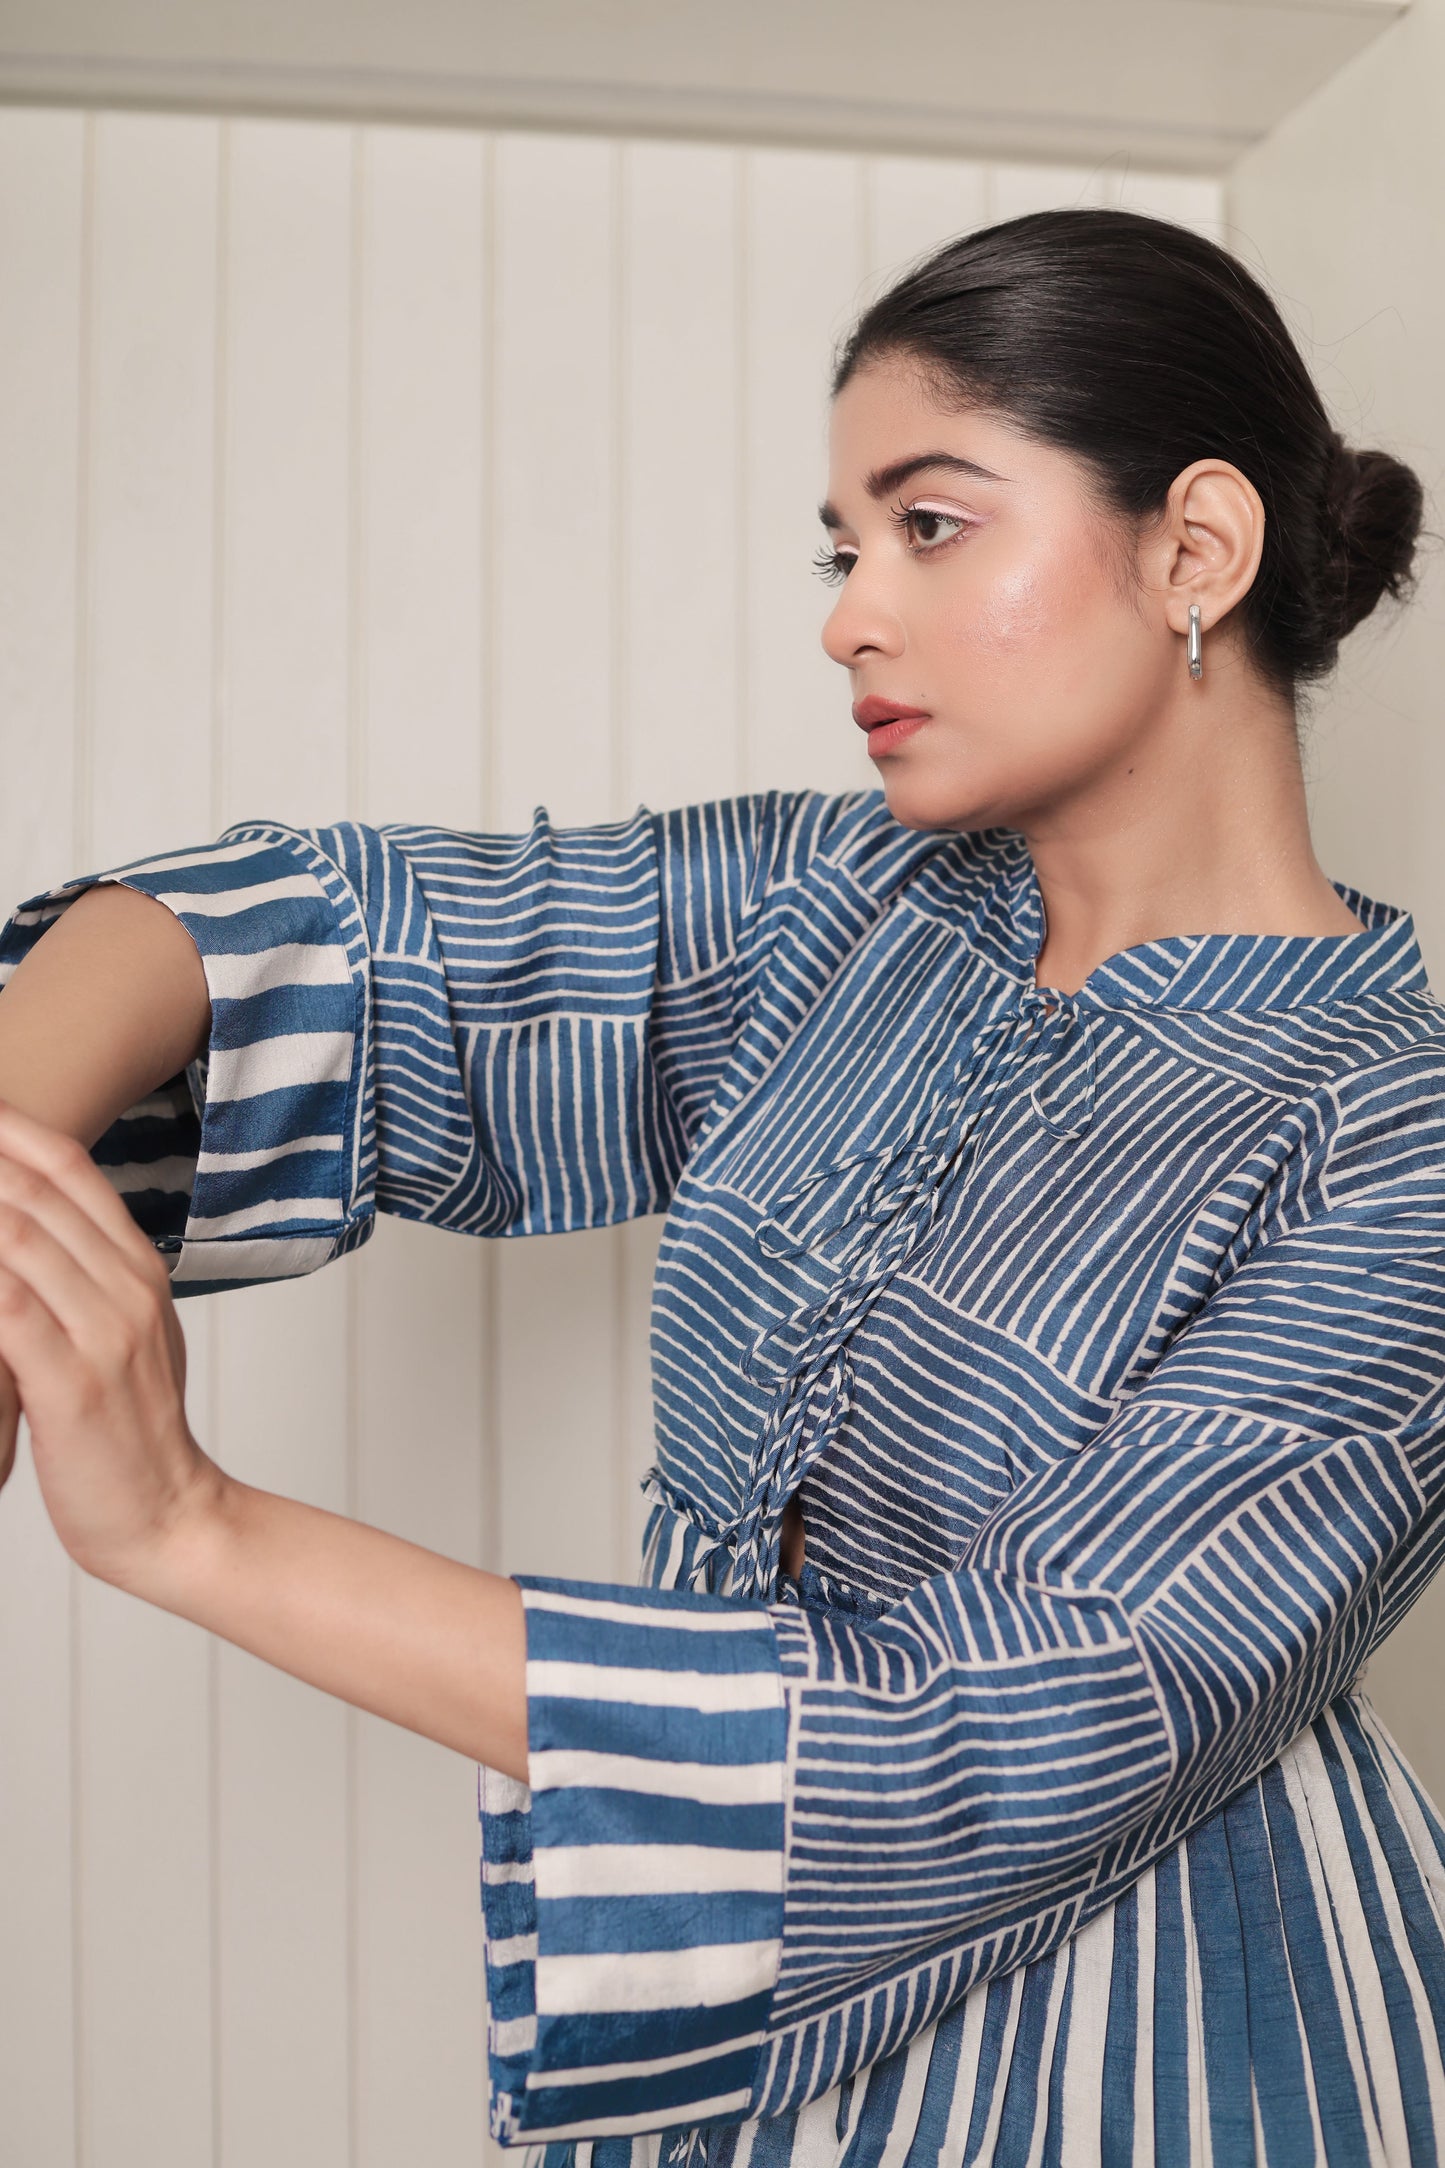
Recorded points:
(1196, 642)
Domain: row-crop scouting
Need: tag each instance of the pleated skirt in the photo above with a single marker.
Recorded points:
(1272, 1992)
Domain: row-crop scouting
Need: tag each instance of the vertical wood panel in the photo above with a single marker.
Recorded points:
(1190, 199)
(914, 205)
(421, 2008)
(804, 280)
(41, 248)
(284, 1352)
(419, 1351)
(42, 255)
(145, 1701)
(421, 483)
(558, 1396)
(1016, 189)
(556, 501)
(288, 509)
(152, 503)
(284, 1831)
(679, 481)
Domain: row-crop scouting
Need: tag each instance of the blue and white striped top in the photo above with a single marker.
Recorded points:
(1042, 1818)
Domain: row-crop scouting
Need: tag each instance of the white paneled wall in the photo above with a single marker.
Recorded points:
(399, 475)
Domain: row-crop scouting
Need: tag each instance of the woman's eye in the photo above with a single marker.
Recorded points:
(834, 564)
(926, 529)
(931, 528)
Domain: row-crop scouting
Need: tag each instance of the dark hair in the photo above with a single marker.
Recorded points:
(1140, 346)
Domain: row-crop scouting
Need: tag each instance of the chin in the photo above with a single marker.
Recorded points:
(921, 801)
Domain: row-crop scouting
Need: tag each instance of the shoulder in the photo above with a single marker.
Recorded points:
(1385, 1115)
(789, 836)
(1399, 1069)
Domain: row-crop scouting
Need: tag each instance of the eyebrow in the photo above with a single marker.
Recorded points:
(884, 480)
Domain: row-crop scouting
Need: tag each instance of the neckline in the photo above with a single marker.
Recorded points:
(1226, 970)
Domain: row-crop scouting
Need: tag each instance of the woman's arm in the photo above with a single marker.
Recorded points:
(422, 1640)
(500, 1034)
(88, 1325)
(108, 1006)
(110, 1003)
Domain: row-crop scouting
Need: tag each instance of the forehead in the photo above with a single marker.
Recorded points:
(891, 411)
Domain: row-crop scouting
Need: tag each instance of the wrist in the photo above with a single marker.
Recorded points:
(187, 1551)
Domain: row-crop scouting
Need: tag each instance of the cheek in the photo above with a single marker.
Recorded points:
(1055, 598)
(1017, 611)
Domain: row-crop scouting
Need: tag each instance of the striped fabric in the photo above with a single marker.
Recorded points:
(1043, 1817)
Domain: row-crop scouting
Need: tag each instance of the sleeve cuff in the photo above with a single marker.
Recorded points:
(632, 1890)
(257, 1164)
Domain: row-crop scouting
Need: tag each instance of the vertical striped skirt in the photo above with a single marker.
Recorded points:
(1272, 1992)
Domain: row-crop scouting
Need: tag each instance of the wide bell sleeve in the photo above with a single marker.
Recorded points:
(499, 1034)
(762, 1846)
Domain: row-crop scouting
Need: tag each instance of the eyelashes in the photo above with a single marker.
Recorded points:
(834, 565)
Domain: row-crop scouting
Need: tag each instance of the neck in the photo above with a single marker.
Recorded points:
(1201, 826)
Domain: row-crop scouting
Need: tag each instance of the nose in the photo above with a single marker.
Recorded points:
(860, 623)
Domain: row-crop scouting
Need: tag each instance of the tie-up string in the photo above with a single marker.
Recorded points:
(1062, 1096)
(883, 1219)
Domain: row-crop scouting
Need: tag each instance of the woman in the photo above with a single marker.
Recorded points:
(1049, 1327)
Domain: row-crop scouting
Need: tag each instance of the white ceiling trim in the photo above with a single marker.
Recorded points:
(619, 108)
(1186, 85)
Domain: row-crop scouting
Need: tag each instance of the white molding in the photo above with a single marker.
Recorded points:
(619, 108)
(1173, 85)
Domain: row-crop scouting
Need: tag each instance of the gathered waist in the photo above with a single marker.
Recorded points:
(681, 1550)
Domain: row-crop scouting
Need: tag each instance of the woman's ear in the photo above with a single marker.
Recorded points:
(1208, 544)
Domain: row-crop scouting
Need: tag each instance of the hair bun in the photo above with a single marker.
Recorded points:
(1374, 505)
(1342, 469)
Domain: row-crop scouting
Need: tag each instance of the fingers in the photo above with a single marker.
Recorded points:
(29, 1200)
(34, 1344)
(66, 1235)
(66, 1166)
(102, 1316)
(83, 1294)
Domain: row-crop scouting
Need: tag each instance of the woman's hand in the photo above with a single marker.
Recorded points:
(88, 1326)
(89, 1329)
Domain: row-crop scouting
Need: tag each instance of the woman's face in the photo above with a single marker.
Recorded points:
(996, 602)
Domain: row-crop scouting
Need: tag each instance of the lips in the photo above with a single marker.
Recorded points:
(869, 713)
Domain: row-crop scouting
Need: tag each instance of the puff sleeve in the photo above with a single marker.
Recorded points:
(499, 1034)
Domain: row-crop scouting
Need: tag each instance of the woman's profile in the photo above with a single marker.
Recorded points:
(1048, 1333)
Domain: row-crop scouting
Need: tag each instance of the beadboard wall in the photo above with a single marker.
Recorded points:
(395, 474)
